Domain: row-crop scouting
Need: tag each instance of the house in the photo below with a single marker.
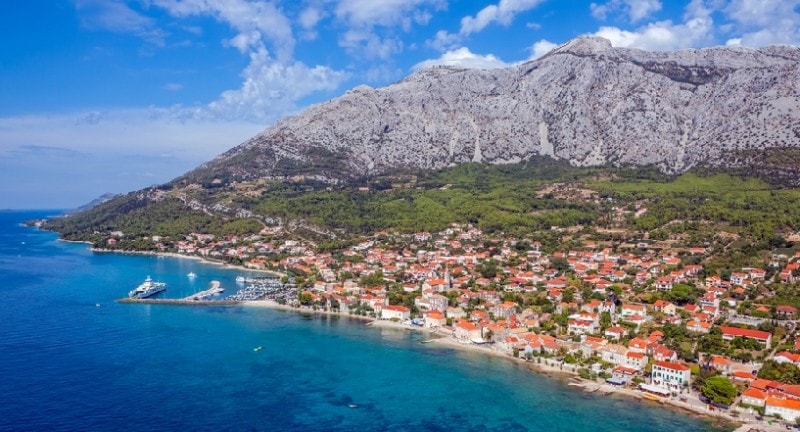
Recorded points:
(398, 312)
(630, 309)
(435, 319)
(728, 333)
(698, 326)
(664, 283)
(754, 397)
(786, 311)
(788, 409)
(615, 332)
(466, 331)
(665, 307)
(721, 364)
(638, 345)
(664, 354)
(613, 353)
(583, 323)
(504, 310)
(671, 375)
(635, 360)
(787, 357)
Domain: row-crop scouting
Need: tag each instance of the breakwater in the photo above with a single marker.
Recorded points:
(181, 302)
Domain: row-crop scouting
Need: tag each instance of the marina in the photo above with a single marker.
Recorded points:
(215, 289)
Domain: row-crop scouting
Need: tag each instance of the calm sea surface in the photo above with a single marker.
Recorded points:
(73, 359)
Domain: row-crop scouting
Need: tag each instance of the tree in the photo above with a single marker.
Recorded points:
(605, 320)
(719, 389)
(783, 372)
(682, 294)
(306, 298)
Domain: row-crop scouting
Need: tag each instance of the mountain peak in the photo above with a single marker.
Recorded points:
(599, 105)
(585, 45)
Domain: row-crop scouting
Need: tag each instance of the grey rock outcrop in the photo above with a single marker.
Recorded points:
(585, 102)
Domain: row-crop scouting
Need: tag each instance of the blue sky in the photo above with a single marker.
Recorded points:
(114, 95)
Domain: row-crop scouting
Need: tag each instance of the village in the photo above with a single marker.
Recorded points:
(636, 315)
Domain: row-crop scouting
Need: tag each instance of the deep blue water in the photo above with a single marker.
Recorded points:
(73, 359)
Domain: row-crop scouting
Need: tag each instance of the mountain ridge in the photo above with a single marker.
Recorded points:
(585, 102)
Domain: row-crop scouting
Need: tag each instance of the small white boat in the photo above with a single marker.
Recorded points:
(258, 348)
(240, 279)
(353, 406)
(191, 275)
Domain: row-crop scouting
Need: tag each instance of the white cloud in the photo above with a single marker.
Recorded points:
(247, 17)
(308, 20)
(310, 16)
(634, 9)
(271, 89)
(443, 41)
(502, 13)
(696, 30)
(387, 13)
(541, 48)
(372, 25)
(273, 83)
(464, 58)
(369, 44)
(764, 22)
(117, 17)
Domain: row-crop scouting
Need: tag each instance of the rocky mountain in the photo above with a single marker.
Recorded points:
(92, 204)
(584, 102)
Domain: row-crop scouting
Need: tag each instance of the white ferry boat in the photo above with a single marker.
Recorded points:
(147, 288)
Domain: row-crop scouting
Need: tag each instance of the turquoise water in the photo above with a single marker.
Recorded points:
(73, 359)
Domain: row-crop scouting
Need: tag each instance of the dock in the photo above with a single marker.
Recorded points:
(180, 302)
(214, 290)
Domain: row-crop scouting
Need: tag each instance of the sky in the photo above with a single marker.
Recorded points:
(102, 96)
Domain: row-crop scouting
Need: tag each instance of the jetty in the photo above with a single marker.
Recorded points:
(180, 302)
(202, 295)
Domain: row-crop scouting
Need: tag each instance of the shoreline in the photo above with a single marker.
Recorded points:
(561, 373)
(181, 256)
(553, 371)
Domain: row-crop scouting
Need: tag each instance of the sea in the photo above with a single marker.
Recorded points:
(72, 359)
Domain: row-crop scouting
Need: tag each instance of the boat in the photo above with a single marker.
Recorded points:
(147, 288)
(191, 275)
(258, 348)
(353, 406)
(240, 279)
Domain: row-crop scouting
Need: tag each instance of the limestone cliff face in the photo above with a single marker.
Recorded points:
(585, 102)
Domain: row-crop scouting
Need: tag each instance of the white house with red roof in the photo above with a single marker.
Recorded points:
(663, 354)
(435, 319)
(665, 307)
(466, 331)
(630, 309)
(583, 323)
(786, 408)
(670, 374)
(398, 312)
(728, 333)
(787, 357)
(616, 332)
